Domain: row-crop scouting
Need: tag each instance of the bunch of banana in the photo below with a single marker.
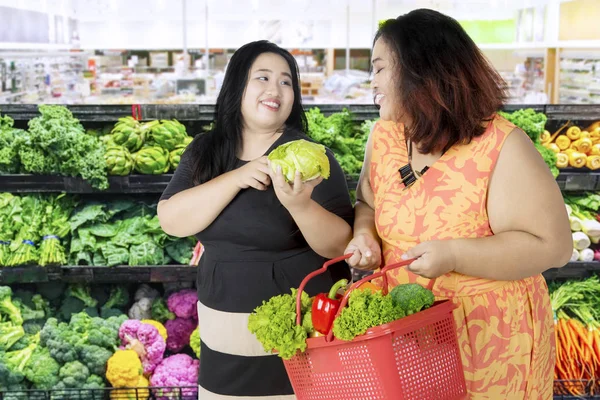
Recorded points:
(118, 160)
(168, 134)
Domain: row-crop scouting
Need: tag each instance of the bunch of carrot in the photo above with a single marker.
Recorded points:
(576, 305)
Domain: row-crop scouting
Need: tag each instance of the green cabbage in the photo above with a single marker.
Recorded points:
(301, 155)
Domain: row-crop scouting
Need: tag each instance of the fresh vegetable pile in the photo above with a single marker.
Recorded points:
(55, 143)
(123, 233)
(274, 322)
(342, 135)
(58, 230)
(80, 338)
(583, 210)
(576, 305)
(576, 148)
(153, 147)
(32, 228)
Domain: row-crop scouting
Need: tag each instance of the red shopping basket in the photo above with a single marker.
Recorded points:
(416, 357)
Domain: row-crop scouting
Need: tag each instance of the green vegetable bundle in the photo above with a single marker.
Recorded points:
(23, 250)
(168, 134)
(339, 133)
(129, 133)
(55, 228)
(152, 161)
(10, 223)
(118, 160)
(274, 324)
(9, 158)
(57, 143)
(123, 233)
(308, 158)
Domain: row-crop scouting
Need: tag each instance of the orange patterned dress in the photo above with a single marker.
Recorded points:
(505, 328)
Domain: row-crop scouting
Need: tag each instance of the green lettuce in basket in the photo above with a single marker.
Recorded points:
(301, 155)
(274, 324)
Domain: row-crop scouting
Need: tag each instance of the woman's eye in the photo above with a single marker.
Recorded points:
(263, 78)
(288, 83)
(378, 71)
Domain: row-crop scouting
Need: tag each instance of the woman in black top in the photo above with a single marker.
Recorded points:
(260, 238)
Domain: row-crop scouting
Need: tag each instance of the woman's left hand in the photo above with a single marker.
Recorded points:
(293, 196)
(433, 258)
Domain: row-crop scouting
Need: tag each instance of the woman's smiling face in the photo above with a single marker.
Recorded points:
(385, 89)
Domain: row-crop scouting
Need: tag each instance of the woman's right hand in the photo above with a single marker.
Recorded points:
(254, 174)
(366, 252)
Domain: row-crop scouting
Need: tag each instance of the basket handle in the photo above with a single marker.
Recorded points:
(308, 278)
(383, 274)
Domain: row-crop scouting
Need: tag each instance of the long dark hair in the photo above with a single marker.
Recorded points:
(446, 85)
(215, 152)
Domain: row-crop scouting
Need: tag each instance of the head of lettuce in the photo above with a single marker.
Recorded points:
(301, 155)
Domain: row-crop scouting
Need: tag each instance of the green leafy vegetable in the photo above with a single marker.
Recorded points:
(310, 159)
(274, 324)
(366, 309)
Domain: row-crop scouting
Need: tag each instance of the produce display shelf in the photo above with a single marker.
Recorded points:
(28, 183)
(576, 269)
(185, 273)
(98, 274)
(131, 184)
(575, 180)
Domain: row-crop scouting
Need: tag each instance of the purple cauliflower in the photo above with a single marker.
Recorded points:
(184, 304)
(178, 333)
(177, 371)
(145, 340)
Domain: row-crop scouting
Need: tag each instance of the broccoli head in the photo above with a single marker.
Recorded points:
(94, 382)
(42, 369)
(60, 340)
(73, 375)
(412, 297)
(95, 357)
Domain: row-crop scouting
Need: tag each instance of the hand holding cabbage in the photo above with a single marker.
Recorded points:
(309, 158)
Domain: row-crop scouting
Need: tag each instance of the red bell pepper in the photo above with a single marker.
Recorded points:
(325, 306)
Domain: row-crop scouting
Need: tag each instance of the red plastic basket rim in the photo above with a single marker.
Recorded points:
(400, 326)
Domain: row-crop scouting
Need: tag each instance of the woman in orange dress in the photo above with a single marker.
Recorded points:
(448, 182)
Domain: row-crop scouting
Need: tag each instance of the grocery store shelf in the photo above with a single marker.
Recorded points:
(184, 273)
(577, 269)
(56, 184)
(582, 179)
(132, 184)
(98, 274)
